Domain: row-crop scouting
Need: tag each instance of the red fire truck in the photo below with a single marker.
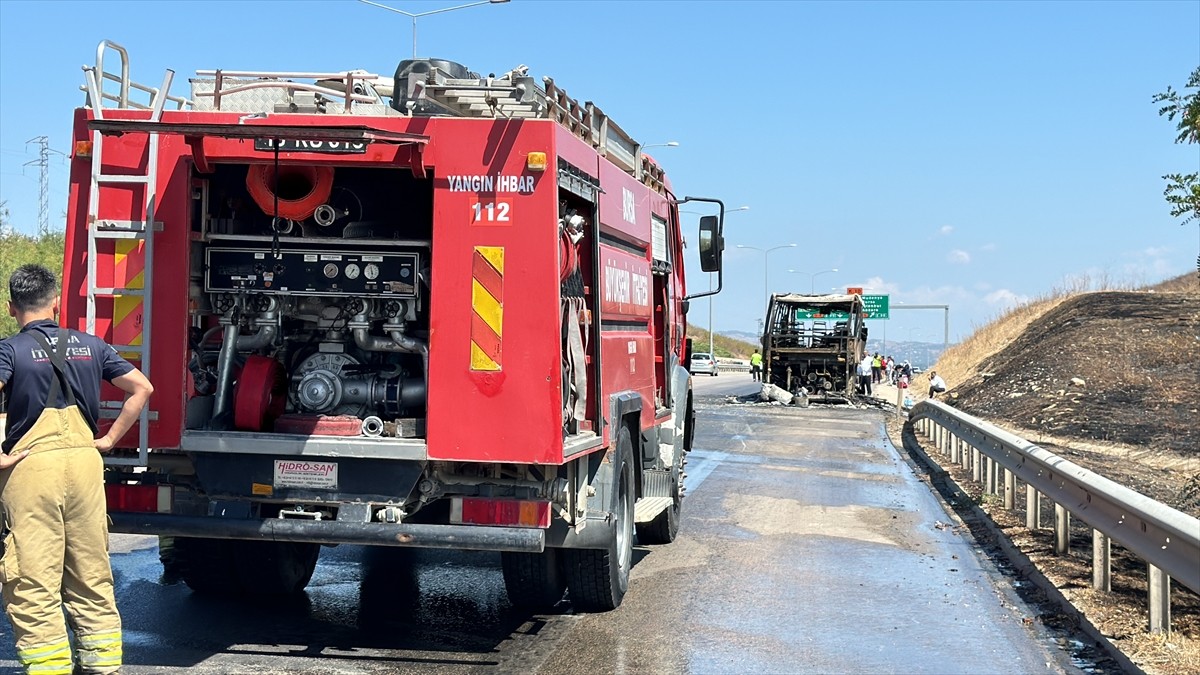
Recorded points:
(431, 310)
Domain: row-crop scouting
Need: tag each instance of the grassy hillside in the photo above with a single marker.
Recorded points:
(725, 347)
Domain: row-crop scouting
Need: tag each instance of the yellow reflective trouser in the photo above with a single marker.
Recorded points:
(56, 549)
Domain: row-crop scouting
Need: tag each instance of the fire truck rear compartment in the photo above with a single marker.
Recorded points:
(314, 323)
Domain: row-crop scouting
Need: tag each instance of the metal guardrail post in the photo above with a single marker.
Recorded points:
(1033, 508)
(1165, 538)
(1062, 529)
(1101, 561)
(964, 455)
(1010, 490)
(1160, 599)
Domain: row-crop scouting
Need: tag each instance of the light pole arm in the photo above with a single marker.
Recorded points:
(451, 9)
(420, 14)
(415, 15)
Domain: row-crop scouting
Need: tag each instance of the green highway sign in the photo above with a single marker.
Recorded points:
(876, 306)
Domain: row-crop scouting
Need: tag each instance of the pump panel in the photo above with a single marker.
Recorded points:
(307, 272)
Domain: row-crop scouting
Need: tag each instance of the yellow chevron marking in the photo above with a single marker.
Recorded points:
(488, 308)
(494, 255)
(481, 361)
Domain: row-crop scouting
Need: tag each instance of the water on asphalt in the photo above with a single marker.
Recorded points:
(807, 545)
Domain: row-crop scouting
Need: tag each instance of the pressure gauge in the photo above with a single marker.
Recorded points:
(371, 270)
(352, 271)
(331, 271)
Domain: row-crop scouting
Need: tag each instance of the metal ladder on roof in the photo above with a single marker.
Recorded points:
(129, 230)
(515, 95)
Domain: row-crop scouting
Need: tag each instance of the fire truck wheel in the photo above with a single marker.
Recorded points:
(275, 567)
(598, 578)
(226, 567)
(533, 580)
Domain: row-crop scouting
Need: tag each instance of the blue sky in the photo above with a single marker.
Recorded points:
(970, 154)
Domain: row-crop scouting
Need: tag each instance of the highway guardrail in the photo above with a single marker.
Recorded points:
(733, 366)
(1168, 540)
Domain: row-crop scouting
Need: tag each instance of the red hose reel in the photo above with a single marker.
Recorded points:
(260, 394)
(568, 256)
(301, 189)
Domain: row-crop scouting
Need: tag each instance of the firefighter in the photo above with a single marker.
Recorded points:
(51, 483)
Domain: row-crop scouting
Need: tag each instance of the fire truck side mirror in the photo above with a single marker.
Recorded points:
(711, 243)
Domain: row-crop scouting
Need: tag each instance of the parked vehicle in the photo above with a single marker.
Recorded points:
(703, 364)
(435, 310)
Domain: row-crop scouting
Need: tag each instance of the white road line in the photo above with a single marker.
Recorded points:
(697, 471)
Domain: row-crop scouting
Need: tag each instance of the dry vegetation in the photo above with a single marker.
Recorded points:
(1108, 380)
(724, 346)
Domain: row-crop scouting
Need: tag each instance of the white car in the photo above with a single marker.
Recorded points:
(703, 363)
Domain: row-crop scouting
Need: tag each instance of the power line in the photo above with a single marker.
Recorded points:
(43, 165)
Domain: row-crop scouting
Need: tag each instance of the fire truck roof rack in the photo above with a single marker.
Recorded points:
(254, 91)
(515, 95)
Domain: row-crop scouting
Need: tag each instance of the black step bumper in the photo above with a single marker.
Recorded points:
(459, 537)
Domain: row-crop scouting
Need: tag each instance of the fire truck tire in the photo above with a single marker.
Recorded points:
(597, 579)
(275, 567)
(227, 567)
(533, 580)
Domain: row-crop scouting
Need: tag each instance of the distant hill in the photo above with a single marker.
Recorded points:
(741, 335)
(917, 353)
(723, 345)
(922, 354)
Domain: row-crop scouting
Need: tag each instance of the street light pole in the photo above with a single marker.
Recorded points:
(415, 16)
(766, 265)
(812, 278)
(711, 348)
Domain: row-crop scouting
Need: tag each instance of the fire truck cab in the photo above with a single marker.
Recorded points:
(435, 309)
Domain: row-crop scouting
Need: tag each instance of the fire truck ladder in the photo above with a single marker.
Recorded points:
(143, 230)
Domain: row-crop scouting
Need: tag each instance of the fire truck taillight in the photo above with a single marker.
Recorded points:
(83, 149)
(504, 512)
(536, 161)
(138, 498)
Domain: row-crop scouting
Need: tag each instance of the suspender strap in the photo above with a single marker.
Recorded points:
(58, 359)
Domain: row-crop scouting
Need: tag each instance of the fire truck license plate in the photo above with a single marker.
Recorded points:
(305, 474)
(328, 147)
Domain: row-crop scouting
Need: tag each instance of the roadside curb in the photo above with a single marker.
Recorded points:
(947, 488)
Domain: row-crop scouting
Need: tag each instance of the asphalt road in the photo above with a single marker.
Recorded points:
(807, 545)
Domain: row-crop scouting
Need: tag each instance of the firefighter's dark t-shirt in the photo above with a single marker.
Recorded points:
(25, 370)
